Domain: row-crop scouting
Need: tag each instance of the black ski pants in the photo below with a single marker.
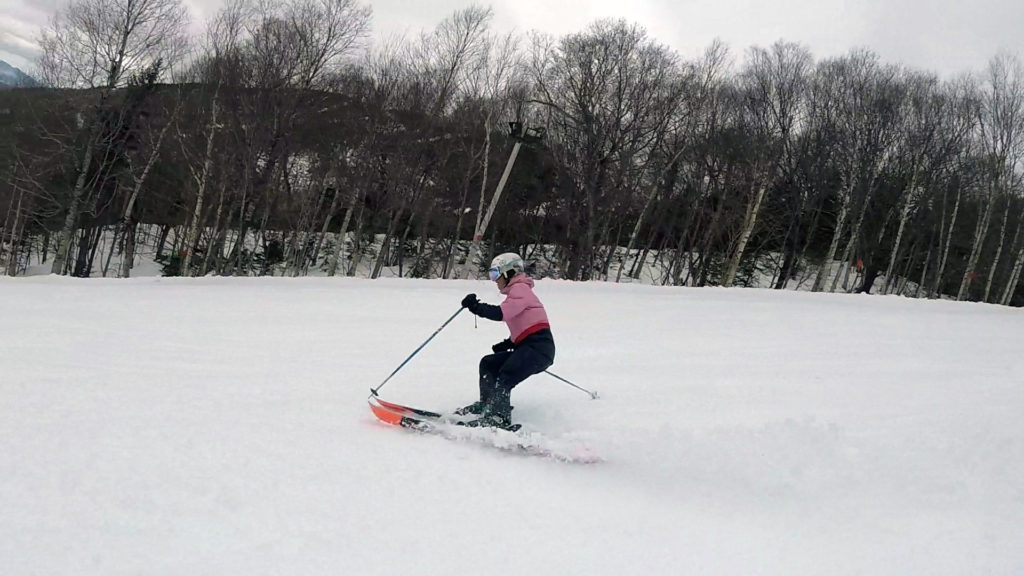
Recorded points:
(501, 372)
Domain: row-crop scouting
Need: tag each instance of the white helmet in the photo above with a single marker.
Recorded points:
(503, 263)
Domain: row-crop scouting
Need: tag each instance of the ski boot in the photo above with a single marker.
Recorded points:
(475, 409)
(497, 413)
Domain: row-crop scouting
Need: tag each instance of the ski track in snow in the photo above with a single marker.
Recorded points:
(522, 442)
(219, 425)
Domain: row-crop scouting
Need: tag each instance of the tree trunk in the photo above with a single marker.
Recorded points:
(1015, 273)
(687, 239)
(908, 205)
(610, 248)
(806, 243)
(422, 249)
(749, 221)
(378, 265)
(1011, 285)
(449, 267)
(323, 229)
(647, 206)
(854, 234)
(93, 250)
(790, 242)
(636, 231)
(221, 256)
(81, 249)
(234, 260)
(128, 251)
(826, 266)
(582, 265)
(7, 230)
(216, 244)
(413, 215)
(60, 259)
(485, 164)
(113, 248)
(332, 267)
(357, 251)
(981, 230)
(697, 265)
(944, 245)
(88, 243)
(901, 286)
(165, 230)
(193, 230)
(259, 236)
(924, 269)
(638, 264)
(45, 251)
(999, 252)
(127, 217)
(298, 255)
(12, 257)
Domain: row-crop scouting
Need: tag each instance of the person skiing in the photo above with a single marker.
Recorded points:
(529, 349)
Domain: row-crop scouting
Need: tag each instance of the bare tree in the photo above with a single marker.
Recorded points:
(385, 68)
(1018, 266)
(677, 122)
(221, 55)
(496, 83)
(455, 53)
(867, 99)
(127, 226)
(1001, 140)
(702, 166)
(462, 61)
(963, 118)
(603, 89)
(99, 44)
(920, 151)
(775, 86)
(271, 69)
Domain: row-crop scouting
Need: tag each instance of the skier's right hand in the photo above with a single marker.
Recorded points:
(505, 345)
(470, 301)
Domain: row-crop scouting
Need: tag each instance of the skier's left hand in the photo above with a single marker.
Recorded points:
(470, 301)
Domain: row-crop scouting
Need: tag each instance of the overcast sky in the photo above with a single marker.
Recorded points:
(945, 36)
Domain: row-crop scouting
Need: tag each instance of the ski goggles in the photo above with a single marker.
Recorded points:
(493, 274)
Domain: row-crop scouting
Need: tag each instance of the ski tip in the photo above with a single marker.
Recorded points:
(406, 410)
(385, 415)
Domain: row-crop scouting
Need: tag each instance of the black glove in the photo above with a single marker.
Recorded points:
(470, 301)
(505, 345)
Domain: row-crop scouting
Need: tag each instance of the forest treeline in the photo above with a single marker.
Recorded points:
(282, 140)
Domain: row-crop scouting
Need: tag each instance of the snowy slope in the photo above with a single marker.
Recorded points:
(219, 426)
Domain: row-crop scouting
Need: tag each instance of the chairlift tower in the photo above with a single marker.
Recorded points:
(522, 134)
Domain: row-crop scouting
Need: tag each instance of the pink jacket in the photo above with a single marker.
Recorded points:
(522, 310)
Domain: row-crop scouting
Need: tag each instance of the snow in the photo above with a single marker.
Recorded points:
(219, 426)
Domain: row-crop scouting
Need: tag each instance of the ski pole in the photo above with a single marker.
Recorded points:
(593, 395)
(373, 391)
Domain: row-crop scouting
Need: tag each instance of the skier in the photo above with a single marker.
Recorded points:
(529, 350)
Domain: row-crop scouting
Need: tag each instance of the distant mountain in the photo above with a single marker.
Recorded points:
(11, 77)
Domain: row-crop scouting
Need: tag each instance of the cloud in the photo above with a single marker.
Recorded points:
(17, 51)
(19, 29)
(945, 36)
